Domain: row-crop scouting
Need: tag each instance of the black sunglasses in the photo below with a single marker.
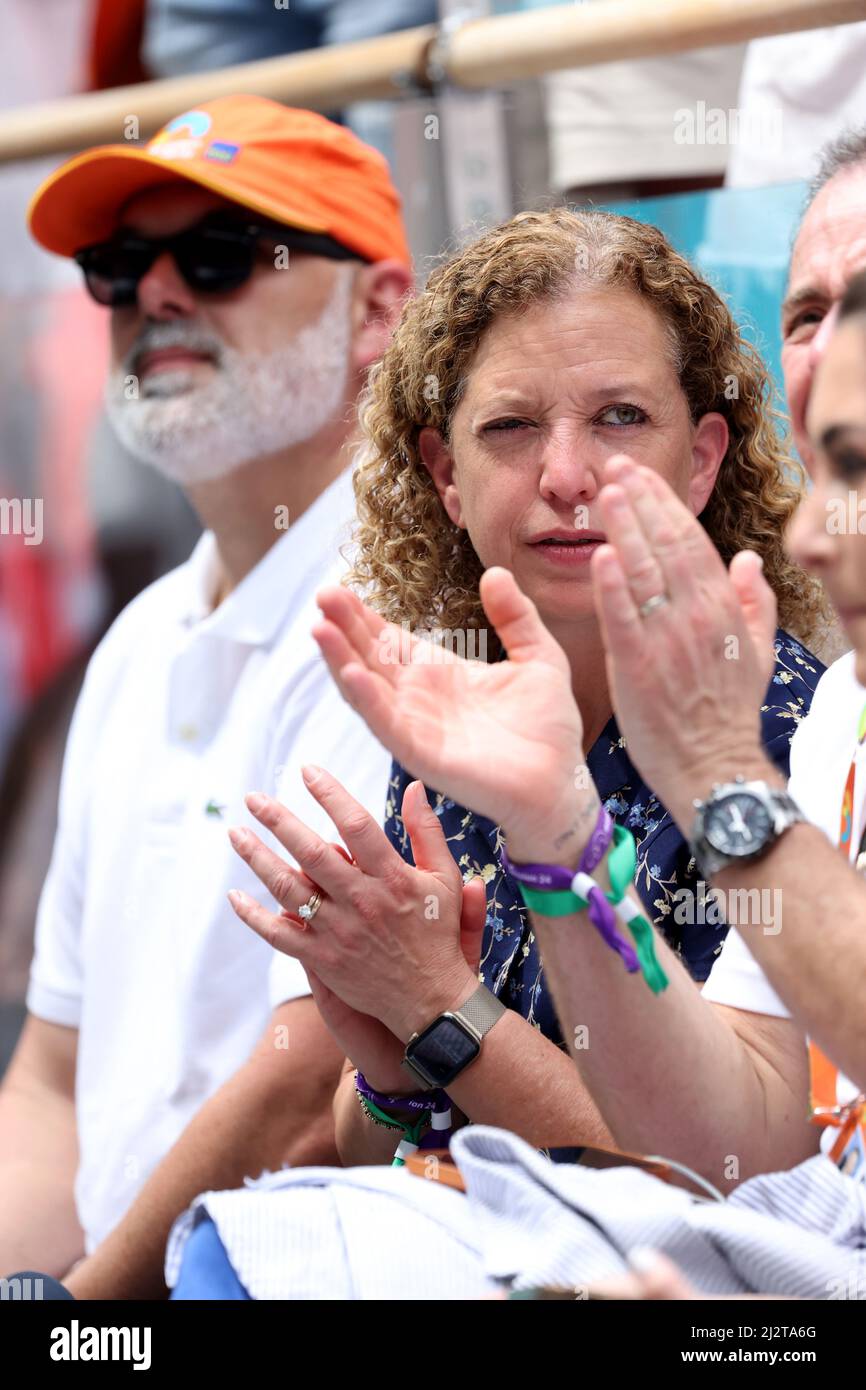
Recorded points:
(214, 257)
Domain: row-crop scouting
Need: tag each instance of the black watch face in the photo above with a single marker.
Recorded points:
(443, 1050)
(738, 825)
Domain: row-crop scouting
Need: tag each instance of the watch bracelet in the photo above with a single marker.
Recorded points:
(477, 1014)
(481, 1010)
(711, 860)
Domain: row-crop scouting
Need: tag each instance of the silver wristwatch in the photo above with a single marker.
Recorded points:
(738, 822)
(440, 1052)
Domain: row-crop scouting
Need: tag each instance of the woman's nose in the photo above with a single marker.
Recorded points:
(567, 472)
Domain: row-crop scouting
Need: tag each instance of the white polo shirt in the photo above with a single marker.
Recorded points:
(821, 752)
(184, 711)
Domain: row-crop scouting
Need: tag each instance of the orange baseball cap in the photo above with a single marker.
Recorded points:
(289, 165)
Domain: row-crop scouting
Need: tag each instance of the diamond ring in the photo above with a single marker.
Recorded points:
(308, 910)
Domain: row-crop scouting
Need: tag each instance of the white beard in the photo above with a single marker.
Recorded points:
(253, 404)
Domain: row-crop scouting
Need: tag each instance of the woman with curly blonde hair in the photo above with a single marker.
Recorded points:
(534, 356)
(417, 566)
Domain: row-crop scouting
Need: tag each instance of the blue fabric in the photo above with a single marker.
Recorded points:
(184, 36)
(510, 959)
(206, 1272)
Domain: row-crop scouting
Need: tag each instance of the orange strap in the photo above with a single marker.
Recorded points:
(823, 1078)
(824, 1074)
(442, 1168)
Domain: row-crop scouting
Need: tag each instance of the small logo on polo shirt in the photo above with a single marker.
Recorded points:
(213, 808)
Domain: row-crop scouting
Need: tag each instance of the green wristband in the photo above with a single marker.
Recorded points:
(561, 902)
(621, 864)
(621, 867)
(408, 1128)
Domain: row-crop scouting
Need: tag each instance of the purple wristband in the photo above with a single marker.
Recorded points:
(600, 911)
(554, 876)
(603, 918)
(598, 843)
(432, 1100)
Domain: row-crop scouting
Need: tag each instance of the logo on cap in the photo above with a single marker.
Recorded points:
(221, 151)
(182, 138)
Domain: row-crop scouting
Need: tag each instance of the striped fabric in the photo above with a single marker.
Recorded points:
(799, 1234)
(379, 1233)
(343, 1233)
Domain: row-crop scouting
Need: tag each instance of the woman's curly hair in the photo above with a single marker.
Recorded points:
(414, 565)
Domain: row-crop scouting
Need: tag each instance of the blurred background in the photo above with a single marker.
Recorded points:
(715, 146)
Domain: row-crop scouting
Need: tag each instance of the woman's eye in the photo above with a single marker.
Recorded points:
(505, 426)
(622, 415)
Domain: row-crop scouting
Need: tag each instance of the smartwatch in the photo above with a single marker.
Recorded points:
(738, 822)
(436, 1056)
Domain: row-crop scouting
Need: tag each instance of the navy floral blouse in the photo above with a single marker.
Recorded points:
(666, 879)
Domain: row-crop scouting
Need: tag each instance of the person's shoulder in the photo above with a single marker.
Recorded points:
(158, 601)
(457, 823)
(794, 656)
(834, 713)
(839, 687)
(142, 616)
(796, 674)
(789, 696)
(110, 661)
(447, 810)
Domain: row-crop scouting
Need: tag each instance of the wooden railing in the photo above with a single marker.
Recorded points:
(482, 53)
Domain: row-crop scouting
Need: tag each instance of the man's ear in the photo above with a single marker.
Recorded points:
(709, 446)
(381, 291)
(439, 462)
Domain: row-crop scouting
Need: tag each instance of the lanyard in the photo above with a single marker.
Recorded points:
(846, 817)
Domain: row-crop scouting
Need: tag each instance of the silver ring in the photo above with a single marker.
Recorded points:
(657, 601)
(308, 910)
